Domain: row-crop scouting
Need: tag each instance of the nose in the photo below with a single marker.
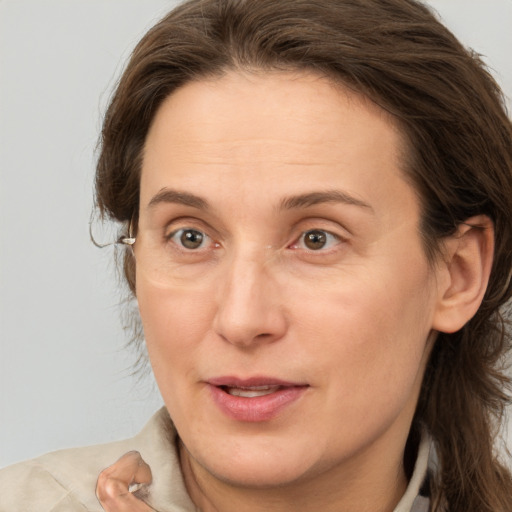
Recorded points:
(250, 311)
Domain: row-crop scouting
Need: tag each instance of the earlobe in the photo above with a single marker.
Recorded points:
(464, 273)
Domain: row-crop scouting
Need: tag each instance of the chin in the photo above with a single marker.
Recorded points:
(266, 462)
(259, 474)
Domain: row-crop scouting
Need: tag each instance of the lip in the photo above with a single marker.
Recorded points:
(257, 408)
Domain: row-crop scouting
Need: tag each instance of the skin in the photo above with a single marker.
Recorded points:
(113, 487)
(354, 320)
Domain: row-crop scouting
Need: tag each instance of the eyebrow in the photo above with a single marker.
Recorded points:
(167, 195)
(314, 198)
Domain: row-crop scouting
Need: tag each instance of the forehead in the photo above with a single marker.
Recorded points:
(285, 106)
(282, 132)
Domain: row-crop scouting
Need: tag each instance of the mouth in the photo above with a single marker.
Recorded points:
(256, 399)
(250, 391)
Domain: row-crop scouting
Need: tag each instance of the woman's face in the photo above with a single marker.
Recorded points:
(286, 299)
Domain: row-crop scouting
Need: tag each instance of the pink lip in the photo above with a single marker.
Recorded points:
(254, 409)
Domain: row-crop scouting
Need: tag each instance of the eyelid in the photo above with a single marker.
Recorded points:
(187, 222)
(332, 226)
(172, 234)
(179, 224)
(300, 239)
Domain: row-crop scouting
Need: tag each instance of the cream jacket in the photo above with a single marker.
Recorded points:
(65, 481)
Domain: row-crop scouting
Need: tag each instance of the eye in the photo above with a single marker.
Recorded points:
(190, 239)
(316, 240)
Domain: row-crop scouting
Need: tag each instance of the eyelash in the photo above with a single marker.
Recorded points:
(179, 233)
(332, 239)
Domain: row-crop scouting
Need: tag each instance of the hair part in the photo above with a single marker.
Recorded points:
(458, 159)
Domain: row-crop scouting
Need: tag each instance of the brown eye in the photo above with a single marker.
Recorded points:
(315, 239)
(189, 238)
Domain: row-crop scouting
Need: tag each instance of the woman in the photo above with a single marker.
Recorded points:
(316, 201)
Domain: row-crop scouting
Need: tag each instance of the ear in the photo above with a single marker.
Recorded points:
(463, 273)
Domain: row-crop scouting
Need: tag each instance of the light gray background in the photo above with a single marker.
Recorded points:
(64, 374)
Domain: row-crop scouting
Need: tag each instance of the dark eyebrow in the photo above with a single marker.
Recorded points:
(313, 198)
(167, 195)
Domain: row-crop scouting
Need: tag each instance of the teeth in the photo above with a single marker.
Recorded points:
(253, 391)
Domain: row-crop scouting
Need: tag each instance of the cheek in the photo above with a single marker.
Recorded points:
(174, 322)
(367, 335)
(366, 306)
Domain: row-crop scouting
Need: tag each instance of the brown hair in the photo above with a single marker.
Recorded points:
(459, 160)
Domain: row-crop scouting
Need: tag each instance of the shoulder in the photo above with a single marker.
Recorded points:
(29, 487)
(58, 481)
(66, 480)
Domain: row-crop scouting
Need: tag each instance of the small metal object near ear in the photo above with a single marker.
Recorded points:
(127, 240)
(130, 239)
